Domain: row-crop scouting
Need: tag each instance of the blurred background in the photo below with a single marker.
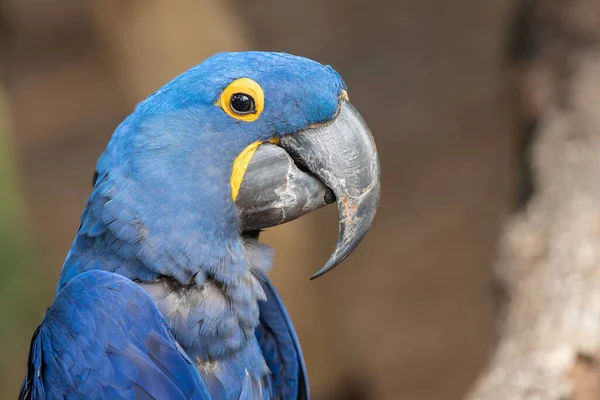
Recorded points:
(411, 313)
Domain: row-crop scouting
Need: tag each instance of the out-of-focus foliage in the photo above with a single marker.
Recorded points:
(18, 296)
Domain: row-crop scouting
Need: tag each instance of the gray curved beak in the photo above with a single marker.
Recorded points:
(286, 182)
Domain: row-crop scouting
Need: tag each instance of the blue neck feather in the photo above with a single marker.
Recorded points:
(153, 218)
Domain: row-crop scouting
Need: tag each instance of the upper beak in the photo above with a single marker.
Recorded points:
(338, 157)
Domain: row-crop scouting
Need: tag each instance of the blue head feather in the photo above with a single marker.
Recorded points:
(162, 203)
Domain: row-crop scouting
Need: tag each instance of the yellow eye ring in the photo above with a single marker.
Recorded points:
(248, 93)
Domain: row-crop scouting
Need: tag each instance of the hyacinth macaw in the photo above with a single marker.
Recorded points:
(164, 293)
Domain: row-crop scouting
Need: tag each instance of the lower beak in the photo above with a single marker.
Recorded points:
(275, 190)
(286, 182)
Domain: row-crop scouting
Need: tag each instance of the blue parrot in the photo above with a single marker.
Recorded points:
(164, 293)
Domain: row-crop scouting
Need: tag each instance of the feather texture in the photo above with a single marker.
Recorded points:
(103, 338)
(280, 347)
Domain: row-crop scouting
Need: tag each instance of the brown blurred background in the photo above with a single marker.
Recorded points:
(410, 315)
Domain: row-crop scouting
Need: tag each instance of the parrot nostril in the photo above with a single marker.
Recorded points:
(329, 196)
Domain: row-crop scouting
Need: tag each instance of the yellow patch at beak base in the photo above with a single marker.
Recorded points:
(240, 165)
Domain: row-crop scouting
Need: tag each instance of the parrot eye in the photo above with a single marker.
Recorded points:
(243, 99)
(242, 104)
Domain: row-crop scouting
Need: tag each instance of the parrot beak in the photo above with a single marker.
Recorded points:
(313, 168)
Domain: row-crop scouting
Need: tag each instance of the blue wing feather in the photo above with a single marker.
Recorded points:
(280, 347)
(103, 337)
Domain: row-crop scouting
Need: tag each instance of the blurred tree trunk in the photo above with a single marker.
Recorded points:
(549, 260)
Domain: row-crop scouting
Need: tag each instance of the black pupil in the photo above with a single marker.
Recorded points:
(242, 103)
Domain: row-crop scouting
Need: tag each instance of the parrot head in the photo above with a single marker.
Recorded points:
(239, 143)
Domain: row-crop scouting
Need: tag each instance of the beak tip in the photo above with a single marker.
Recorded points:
(328, 267)
(335, 259)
